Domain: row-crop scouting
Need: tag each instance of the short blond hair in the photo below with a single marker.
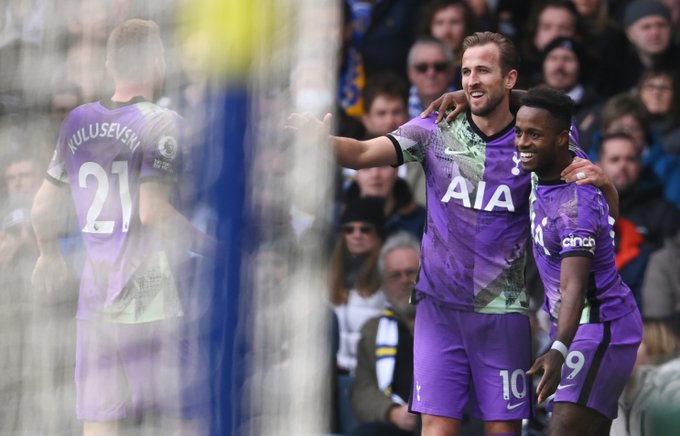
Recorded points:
(132, 48)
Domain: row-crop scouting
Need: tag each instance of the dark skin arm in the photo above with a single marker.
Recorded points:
(574, 272)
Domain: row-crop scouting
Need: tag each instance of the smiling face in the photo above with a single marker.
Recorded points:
(539, 141)
(484, 83)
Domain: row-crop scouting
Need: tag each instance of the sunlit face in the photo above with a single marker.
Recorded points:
(360, 237)
(430, 71)
(553, 22)
(537, 139)
(650, 35)
(484, 84)
(22, 177)
(448, 26)
(620, 161)
(561, 69)
(630, 125)
(385, 115)
(376, 181)
(657, 94)
(399, 278)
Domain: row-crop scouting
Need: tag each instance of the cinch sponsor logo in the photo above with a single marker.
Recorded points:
(458, 189)
(577, 241)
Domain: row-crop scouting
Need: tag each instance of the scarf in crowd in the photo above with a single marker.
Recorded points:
(386, 342)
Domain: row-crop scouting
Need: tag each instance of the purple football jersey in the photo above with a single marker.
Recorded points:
(572, 220)
(104, 152)
(478, 214)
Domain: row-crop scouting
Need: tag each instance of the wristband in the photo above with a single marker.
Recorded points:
(559, 346)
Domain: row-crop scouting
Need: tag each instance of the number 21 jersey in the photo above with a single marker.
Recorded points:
(104, 152)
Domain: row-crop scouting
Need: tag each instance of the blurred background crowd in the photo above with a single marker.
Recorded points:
(619, 60)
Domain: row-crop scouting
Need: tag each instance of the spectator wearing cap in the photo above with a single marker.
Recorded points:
(564, 67)
(646, 44)
(549, 20)
(355, 278)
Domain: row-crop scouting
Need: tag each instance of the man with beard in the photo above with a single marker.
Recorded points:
(564, 69)
(472, 332)
(384, 372)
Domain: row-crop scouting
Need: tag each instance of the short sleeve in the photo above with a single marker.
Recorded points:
(578, 223)
(163, 138)
(412, 138)
(56, 170)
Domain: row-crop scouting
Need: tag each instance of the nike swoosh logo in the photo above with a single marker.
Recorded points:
(447, 150)
(514, 406)
(560, 387)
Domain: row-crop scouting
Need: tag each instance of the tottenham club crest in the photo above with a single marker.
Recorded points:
(167, 146)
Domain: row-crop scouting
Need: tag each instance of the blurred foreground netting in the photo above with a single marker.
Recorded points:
(258, 316)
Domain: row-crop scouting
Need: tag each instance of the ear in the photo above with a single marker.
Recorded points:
(563, 138)
(510, 79)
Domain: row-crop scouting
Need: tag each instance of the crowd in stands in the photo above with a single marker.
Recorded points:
(618, 60)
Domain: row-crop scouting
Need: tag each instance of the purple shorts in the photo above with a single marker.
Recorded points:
(599, 362)
(461, 356)
(126, 370)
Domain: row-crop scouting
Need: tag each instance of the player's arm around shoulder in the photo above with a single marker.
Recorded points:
(350, 152)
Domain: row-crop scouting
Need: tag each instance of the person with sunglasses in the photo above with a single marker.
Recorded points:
(430, 71)
(472, 333)
(355, 279)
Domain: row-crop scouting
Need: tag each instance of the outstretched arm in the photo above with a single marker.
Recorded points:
(350, 153)
(574, 272)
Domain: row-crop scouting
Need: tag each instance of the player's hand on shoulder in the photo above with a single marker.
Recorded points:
(50, 274)
(584, 172)
(454, 101)
(550, 364)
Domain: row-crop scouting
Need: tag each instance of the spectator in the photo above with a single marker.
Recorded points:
(564, 66)
(430, 71)
(625, 113)
(658, 91)
(23, 175)
(645, 44)
(402, 213)
(661, 288)
(645, 218)
(552, 19)
(450, 21)
(355, 280)
(384, 374)
(372, 26)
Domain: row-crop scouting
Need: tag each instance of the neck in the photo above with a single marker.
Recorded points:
(127, 91)
(552, 173)
(496, 121)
